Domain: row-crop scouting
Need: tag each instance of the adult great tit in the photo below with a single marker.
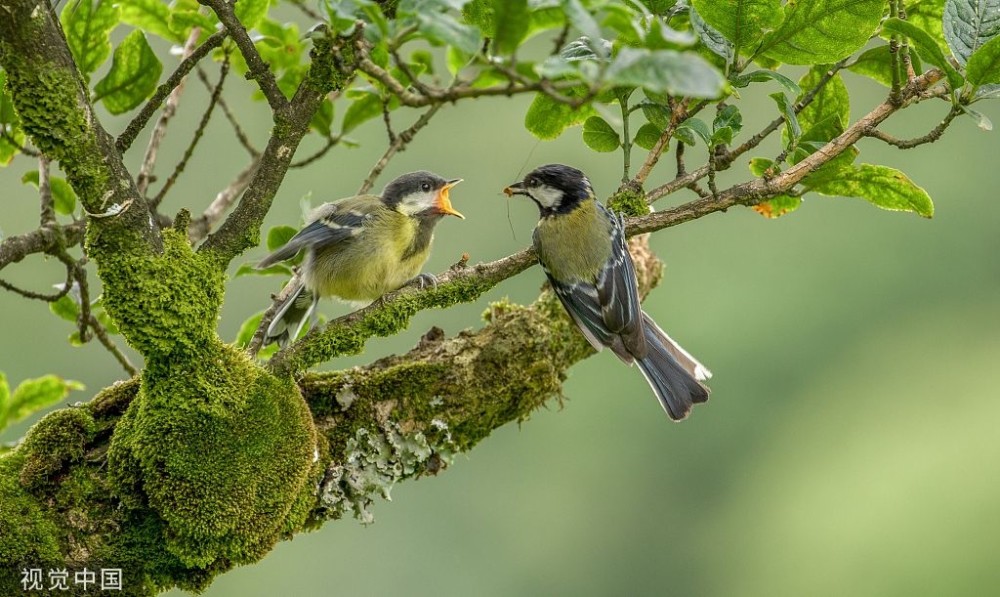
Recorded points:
(581, 247)
(359, 248)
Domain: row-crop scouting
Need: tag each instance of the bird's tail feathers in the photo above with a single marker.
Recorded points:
(672, 372)
(291, 316)
(284, 253)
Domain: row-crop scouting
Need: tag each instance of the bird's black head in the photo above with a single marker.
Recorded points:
(555, 188)
(421, 194)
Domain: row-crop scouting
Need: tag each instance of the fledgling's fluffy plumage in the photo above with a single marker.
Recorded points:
(581, 247)
(362, 247)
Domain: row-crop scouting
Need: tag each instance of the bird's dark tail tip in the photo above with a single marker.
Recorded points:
(290, 318)
(673, 374)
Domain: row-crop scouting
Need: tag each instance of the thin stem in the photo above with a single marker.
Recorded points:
(399, 144)
(930, 137)
(241, 135)
(626, 139)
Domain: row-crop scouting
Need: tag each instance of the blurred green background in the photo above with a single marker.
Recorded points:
(850, 445)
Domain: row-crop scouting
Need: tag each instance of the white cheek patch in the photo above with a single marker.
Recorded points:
(417, 202)
(547, 196)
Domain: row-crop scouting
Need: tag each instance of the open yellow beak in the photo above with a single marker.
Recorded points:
(443, 204)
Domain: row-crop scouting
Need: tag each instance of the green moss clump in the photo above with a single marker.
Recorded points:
(220, 450)
(629, 200)
(166, 304)
(54, 442)
(28, 536)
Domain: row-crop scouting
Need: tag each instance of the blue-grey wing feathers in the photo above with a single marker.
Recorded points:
(291, 316)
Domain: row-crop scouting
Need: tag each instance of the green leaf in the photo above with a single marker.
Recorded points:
(88, 25)
(714, 40)
(760, 76)
(929, 16)
(63, 195)
(884, 187)
(984, 64)
(442, 29)
(785, 105)
(152, 16)
(33, 395)
(743, 22)
(728, 117)
(876, 64)
(4, 400)
(676, 73)
(10, 121)
(65, 308)
(928, 49)
(135, 71)
(512, 19)
(982, 121)
(763, 166)
(279, 236)
(547, 118)
(248, 269)
(970, 24)
(686, 131)
(322, 120)
(247, 329)
(250, 12)
(647, 136)
(599, 135)
(361, 110)
(656, 114)
(778, 206)
(832, 101)
(822, 31)
(185, 15)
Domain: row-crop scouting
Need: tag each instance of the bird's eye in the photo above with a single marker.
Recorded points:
(532, 182)
(426, 186)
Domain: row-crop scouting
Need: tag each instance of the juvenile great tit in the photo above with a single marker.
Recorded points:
(581, 247)
(359, 248)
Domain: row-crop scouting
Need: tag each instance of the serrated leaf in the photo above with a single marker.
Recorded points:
(657, 114)
(742, 22)
(666, 71)
(33, 395)
(88, 25)
(279, 236)
(647, 136)
(687, 130)
(511, 24)
(882, 186)
(876, 64)
(547, 118)
(135, 71)
(984, 64)
(760, 76)
(787, 109)
(778, 206)
(599, 135)
(63, 195)
(250, 12)
(152, 16)
(928, 49)
(713, 39)
(821, 31)
(361, 110)
(970, 24)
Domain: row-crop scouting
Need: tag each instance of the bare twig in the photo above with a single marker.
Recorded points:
(130, 133)
(41, 240)
(102, 336)
(160, 130)
(312, 14)
(397, 145)
(930, 137)
(259, 70)
(22, 148)
(205, 117)
(201, 226)
(48, 213)
(241, 135)
(331, 142)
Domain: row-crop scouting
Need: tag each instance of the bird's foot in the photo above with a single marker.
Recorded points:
(424, 280)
